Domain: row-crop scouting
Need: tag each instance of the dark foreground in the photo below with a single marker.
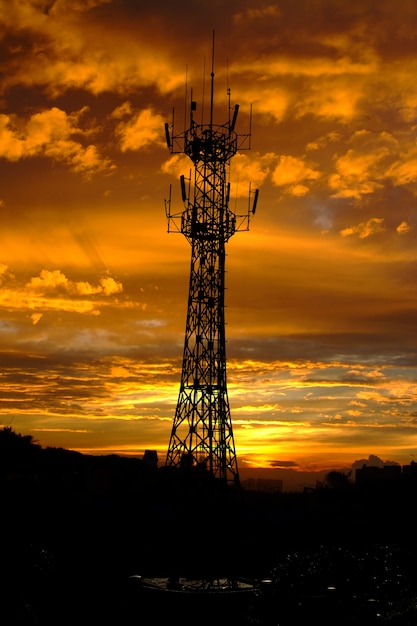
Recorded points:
(71, 541)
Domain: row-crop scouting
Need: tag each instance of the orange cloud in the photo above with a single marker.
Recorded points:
(248, 170)
(362, 169)
(49, 281)
(72, 52)
(404, 170)
(49, 133)
(292, 171)
(365, 229)
(142, 131)
(403, 228)
(267, 12)
(52, 290)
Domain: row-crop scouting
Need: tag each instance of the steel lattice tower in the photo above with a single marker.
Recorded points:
(202, 434)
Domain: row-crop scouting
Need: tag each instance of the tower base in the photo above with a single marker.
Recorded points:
(195, 600)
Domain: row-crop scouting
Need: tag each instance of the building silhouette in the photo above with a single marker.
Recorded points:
(388, 475)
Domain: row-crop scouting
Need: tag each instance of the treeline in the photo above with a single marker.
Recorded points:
(22, 459)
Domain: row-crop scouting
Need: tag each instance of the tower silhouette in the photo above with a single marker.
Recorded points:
(202, 433)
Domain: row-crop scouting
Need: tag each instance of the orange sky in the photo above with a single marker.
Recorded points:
(321, 299)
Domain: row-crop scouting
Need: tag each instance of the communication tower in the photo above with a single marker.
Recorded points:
(202, 434)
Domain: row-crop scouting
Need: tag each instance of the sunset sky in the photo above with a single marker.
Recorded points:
(321, 292)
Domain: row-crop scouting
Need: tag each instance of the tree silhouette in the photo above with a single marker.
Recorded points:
(17, 452)
(337, 480)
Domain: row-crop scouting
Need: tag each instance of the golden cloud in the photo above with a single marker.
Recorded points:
(362, 169)
(293, 171)
(365, 229)
(404, 171)
(52, 290)
(248, 170)
(63, 6)
(49, 281)
(269, 100)
(177, 165)
(403, 228)
(48, 134)
(267, 12)
(143, 131)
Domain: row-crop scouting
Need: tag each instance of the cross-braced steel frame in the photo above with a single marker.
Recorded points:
(202, 434)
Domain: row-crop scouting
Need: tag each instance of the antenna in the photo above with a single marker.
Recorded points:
(183, 190)
(212, 84)
(227, 76)
(167, 135)
(250, 125)
(255, 201)
(204, 89)
(168, 207)
(193, 106)
(185, 97)
(235, 112)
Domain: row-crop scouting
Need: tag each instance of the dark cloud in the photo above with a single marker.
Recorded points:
(283, 464)
(372, 461)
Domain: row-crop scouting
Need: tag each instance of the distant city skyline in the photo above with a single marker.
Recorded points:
(321, 293)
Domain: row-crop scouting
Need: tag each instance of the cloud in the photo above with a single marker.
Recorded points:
(123, 110)
(270, 101)
(145, 129)
(177, 165)
(373, 226)
(292, 172)
(61, 47)
(331, 98)
(404, 170)
(283, 464)
(49, 134)
(5, 273)
(248, 170)
(403, 228)
(110, 286)
(52, 290)
(372, 461)
(374, 160)
(63, 6)
(358, 173)
(50, 281)
(266, 12)
(35, 317)
(324, 140)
